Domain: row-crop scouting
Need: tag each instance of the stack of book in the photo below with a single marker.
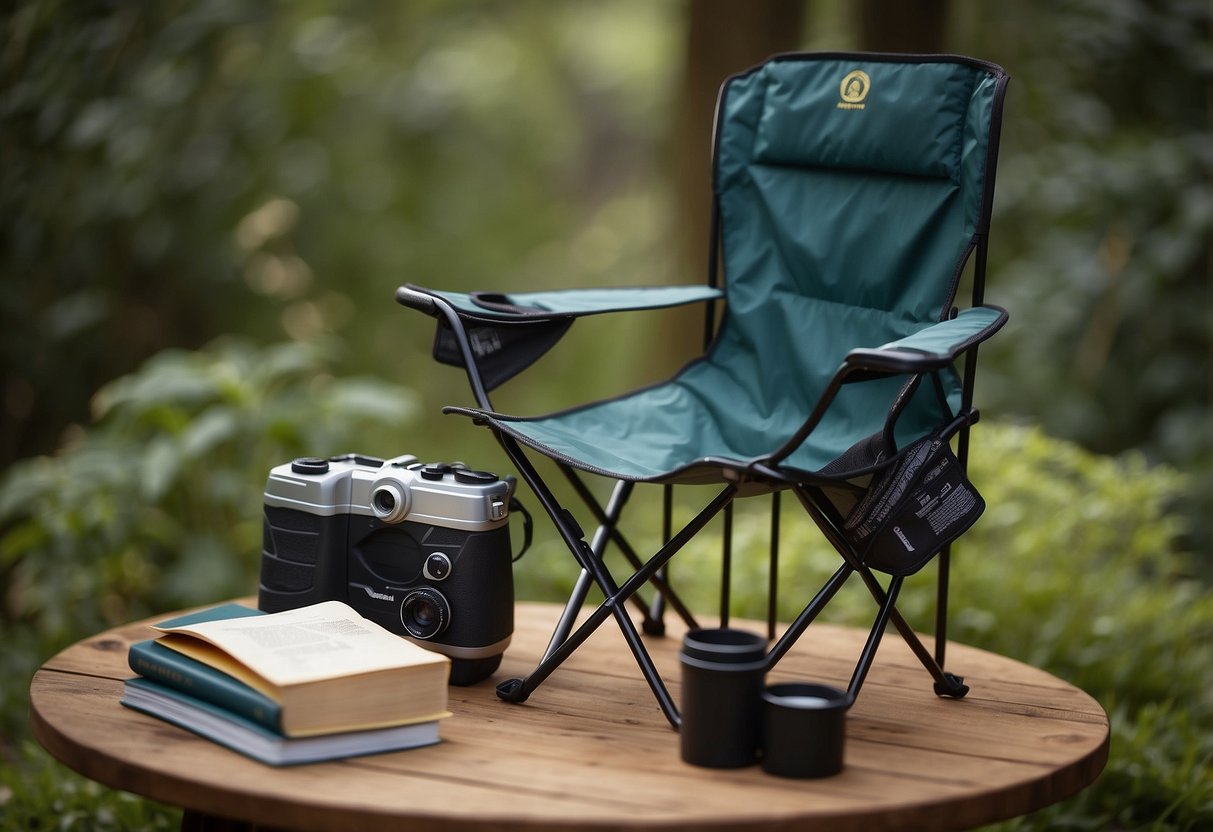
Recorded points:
(315, 683)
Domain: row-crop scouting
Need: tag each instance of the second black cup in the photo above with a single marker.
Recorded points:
(806, 729)
(723, 673)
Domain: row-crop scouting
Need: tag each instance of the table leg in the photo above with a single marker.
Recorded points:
(201, 822)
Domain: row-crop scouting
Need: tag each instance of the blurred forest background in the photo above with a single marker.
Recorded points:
(205, 208)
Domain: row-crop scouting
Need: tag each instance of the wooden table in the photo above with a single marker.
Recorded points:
(590, 749)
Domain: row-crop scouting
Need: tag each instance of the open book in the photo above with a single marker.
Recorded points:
(327, 668)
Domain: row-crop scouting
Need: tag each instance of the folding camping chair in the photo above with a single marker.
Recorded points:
(850, 191)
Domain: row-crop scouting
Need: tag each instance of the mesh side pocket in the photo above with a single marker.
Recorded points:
(503, 350)
(914, 509)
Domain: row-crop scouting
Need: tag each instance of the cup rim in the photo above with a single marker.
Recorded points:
(782, 694)
(724, 644)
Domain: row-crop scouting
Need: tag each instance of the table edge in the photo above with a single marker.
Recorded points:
(1034, 794)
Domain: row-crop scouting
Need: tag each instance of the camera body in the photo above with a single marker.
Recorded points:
(423, 549)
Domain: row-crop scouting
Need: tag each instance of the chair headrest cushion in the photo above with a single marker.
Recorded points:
(866, 115)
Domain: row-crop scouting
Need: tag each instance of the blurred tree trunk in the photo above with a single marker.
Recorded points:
(901, 25)
(723, 37)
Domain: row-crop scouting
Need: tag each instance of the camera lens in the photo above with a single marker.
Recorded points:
(389, 501)
(424, 613)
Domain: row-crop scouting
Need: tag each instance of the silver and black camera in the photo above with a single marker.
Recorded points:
(423, 549)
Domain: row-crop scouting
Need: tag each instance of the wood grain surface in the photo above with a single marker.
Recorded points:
(591, 749)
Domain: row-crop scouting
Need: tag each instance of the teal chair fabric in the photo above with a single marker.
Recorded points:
(845, 225)
(851, 192)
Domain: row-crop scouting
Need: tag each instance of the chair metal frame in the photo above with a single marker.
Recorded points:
(765, 476)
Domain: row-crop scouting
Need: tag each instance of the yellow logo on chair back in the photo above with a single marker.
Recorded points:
(853, 90)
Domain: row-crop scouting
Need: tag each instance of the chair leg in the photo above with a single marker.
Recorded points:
(726, 565)
(584, 580)
(945, 684)
(571, 610)
(874, 636)
(941, 604)
(773, 569)
(616, 596)
(796, 629)
(607, 523)
(654, 622)
(608, 520)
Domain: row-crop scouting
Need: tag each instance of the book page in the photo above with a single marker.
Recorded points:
(321, 641)
(195, 648)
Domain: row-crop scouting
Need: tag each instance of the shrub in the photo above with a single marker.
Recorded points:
(154, 507)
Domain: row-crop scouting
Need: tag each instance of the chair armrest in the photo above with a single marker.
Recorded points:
(932, 347)
(564, 303)
(493, 337)
(422, 301)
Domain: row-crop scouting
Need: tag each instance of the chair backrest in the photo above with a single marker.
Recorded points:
(851, 190)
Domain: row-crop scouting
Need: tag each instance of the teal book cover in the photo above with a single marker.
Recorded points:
(215, 613)
(174, 670)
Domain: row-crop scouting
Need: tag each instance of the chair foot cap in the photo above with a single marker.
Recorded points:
(653, 627)
(511, 690)
(952, 686)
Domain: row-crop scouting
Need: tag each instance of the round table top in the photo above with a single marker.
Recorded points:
(591, 749)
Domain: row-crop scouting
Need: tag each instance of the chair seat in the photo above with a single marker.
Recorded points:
(691, 428)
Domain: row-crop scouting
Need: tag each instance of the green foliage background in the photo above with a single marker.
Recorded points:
(179, 171)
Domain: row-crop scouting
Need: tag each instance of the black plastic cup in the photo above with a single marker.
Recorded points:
(723, 673)
(804, 734)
